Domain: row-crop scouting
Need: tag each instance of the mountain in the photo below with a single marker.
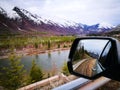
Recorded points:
(115, 32)
(105, 25)
(7, 25)
(28, 23)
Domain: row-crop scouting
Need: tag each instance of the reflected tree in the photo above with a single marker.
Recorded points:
(49, 54)
(79, 53)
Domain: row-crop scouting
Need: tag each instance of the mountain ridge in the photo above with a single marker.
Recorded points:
(28, 22)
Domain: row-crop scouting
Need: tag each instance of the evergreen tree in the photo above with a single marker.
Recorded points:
(36, 73)
(49, 45)
(36, 45)
(12, 76)
(58, 45)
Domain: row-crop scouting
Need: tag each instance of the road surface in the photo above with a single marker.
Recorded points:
(86, 67)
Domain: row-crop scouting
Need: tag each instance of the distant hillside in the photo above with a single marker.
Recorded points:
(115, 32)
(31, 24)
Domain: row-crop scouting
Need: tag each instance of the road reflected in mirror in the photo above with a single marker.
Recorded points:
(85, 59)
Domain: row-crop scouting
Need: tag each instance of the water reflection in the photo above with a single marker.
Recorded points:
(49, 54)
(46, 60)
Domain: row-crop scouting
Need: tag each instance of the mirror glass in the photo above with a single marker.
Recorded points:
(86, 57)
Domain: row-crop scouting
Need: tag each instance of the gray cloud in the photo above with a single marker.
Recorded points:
(84, 11)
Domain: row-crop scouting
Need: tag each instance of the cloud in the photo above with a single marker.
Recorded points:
(84, 11)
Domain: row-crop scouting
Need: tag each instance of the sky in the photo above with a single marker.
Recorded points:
(90, 45)
(80, 11)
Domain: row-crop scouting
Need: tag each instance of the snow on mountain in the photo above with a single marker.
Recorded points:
(13, 15)
(34, 17)
(65, 23)
(105, 25)
(69, 23)
(64, 27)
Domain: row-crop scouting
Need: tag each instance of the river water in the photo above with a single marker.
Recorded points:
(47, 61)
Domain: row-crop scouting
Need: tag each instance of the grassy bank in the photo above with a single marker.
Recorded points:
(32, 44)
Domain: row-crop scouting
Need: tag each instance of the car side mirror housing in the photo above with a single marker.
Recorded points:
(92, 57)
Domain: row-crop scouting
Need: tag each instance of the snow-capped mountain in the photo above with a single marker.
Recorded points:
(29, 23)
(105, 25)
(33, 17)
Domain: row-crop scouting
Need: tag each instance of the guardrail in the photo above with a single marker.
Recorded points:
(67, 83)
(83, 84)
(73, 85)
(49, 83)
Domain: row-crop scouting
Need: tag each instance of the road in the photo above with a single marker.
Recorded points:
(86, 67)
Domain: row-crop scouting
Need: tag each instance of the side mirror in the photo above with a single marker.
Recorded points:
(92, 57)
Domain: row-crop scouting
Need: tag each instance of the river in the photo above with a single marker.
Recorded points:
(47, 61)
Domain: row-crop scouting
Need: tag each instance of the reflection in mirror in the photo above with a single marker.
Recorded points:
(85, 58)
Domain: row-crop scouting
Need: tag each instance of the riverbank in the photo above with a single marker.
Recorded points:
(32, 51)
(23, 46)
